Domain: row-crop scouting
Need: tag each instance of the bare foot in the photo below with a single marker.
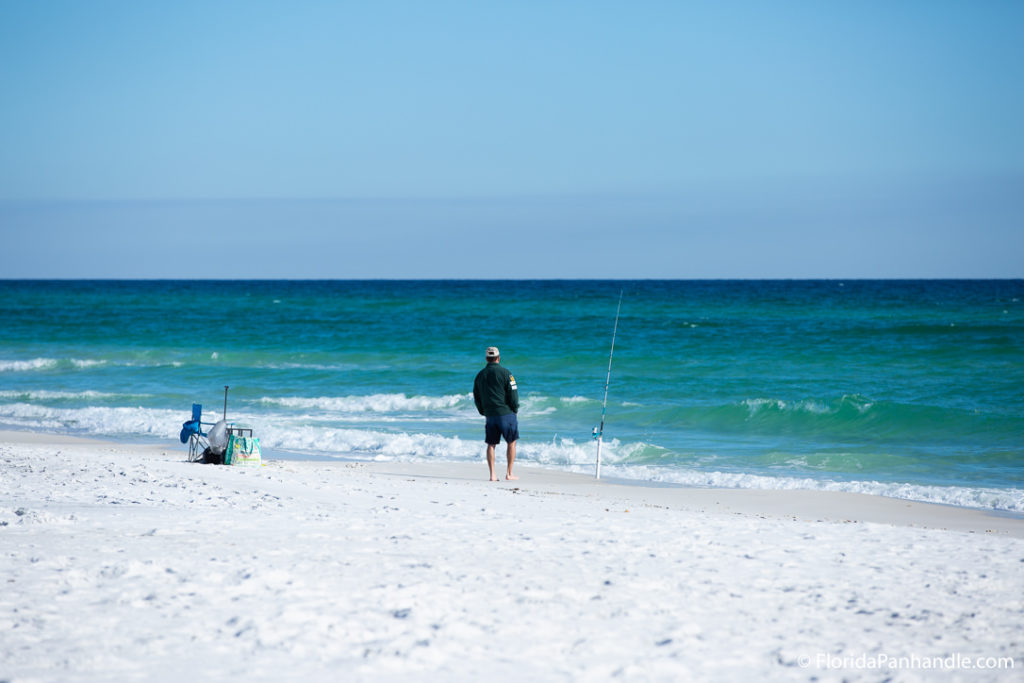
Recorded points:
(511, 477)
(494, 478)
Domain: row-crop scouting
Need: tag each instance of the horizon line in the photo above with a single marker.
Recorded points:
(530, 279)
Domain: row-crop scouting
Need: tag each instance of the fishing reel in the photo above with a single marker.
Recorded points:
(595, 434)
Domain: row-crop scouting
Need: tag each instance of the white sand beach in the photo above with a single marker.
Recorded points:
(124, 562)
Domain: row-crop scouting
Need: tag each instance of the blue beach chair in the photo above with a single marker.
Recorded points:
(192, 433)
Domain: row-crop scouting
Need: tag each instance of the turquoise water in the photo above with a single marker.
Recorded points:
(912, 389)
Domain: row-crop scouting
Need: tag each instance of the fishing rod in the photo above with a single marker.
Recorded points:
(598, 433)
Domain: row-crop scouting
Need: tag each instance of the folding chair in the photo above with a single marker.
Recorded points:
(192, 433)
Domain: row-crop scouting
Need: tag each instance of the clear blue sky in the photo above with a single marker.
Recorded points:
(512, 139)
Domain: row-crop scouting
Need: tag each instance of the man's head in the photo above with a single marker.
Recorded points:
(492, 355)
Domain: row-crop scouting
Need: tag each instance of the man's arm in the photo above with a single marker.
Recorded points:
(476, 396)
(512, 393)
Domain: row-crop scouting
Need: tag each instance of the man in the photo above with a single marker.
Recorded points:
(497, 399)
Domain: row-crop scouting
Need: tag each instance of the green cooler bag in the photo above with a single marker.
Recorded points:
(243, 450)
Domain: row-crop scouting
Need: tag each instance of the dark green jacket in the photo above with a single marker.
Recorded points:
(495, 391)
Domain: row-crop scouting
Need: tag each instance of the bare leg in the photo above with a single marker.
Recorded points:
(510, 453)
(490, 461)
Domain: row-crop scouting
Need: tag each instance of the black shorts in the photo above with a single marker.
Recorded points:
(499, 426)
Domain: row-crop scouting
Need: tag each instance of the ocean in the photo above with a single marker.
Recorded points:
(910, 389)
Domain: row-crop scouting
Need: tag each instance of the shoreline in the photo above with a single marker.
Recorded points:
(783, 504)
(794, 505)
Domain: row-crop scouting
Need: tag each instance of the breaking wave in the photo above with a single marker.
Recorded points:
(377, 403)
(1010, 500)
(27, 365)
(36, 364)
(43, 395)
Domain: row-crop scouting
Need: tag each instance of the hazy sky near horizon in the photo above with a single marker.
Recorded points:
(512, 139)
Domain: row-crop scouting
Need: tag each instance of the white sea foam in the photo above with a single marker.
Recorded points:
(323, 366)
(975, 497)
(377, 403)
(534, 404)
(368, 444)
(47, 364)
(531, 410)
(100, 421)
(757, 405)
(82, 364)
(384, 404)
(27, 365)
(43, 395)
(152, 364)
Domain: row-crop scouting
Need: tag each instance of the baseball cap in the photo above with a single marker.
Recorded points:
(492, 352)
